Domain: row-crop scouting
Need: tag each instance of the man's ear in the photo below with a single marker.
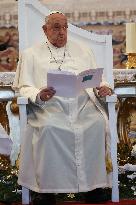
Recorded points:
(44, 28)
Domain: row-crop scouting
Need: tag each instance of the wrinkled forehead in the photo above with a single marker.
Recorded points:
(57, 18)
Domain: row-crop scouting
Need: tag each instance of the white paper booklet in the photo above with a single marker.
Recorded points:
(70, 84)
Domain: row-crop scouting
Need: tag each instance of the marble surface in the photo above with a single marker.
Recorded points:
(121, 75)
(124, 75)
(6, 78)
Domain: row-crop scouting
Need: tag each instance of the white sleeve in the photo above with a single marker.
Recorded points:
(25, 79)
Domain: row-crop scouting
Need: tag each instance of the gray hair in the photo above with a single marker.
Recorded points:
(52, 12)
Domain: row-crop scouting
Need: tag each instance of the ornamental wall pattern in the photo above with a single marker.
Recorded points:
(100, 16)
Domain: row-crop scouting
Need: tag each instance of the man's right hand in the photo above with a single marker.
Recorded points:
(47, 93)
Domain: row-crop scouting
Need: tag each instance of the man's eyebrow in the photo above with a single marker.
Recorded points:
(59, 24)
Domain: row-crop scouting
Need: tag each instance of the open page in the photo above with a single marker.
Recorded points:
(90, 78)
(69, 84)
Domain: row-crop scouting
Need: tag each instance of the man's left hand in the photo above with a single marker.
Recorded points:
(104, 91)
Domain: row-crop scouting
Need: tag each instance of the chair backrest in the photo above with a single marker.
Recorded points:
(31, 15)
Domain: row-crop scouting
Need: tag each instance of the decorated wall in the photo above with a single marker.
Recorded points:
(100, 16)
(118, 33)
(8, 49)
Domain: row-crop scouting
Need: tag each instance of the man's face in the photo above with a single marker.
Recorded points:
(56, 30)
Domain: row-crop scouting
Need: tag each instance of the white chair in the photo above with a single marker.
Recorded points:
(31, 14)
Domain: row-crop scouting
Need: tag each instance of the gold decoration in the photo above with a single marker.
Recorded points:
(14, 107)
(18, 161)
(4, 162)
(131, 62)
(109, 167)
(126, 120)
(3, 117)
(71, 195)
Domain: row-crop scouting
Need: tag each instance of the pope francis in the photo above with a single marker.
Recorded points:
(67, 143)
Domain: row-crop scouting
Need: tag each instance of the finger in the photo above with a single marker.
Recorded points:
(48, 97)
(45, 95)
(110, 93)
(51, 89)
(48, 89)
(104, 93)
(52, 92)
(103, 88)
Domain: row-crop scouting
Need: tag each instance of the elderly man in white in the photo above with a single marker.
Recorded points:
(67, 145)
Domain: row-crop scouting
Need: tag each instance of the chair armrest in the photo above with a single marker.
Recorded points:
(22, 101)
(111, 99)
(6, 94)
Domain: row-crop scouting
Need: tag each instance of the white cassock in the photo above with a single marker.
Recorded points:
(66, 139)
